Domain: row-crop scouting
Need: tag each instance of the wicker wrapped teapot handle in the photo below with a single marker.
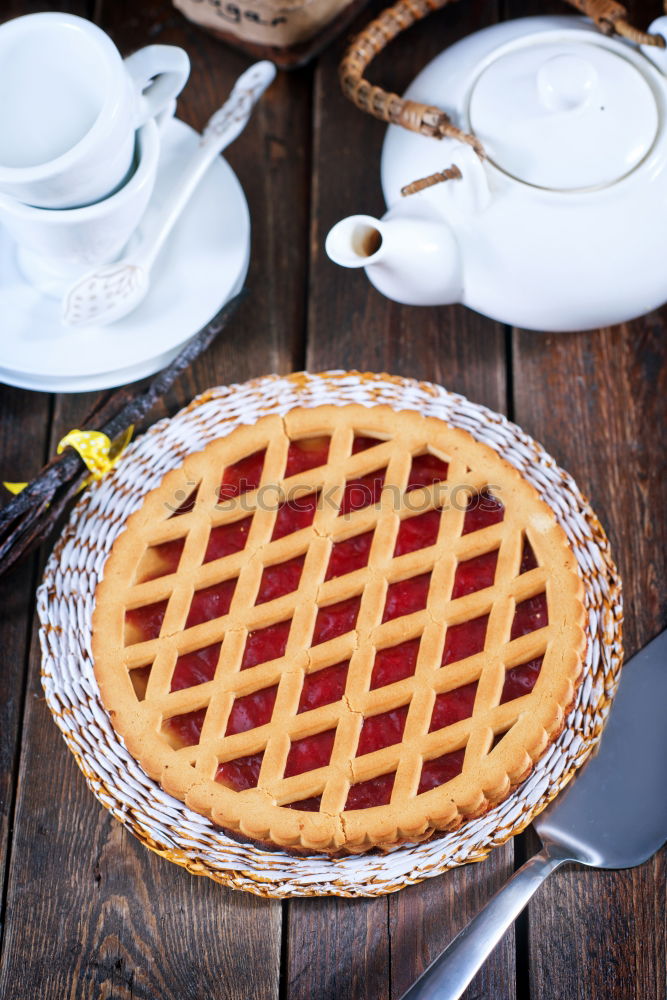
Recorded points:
(608, 15)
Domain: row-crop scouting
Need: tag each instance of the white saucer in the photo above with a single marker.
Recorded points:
(202, 266)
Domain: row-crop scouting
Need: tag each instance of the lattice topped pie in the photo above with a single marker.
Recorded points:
(344, 629)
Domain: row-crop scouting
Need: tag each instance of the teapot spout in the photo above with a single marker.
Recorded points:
(412, 260)
(355, 241)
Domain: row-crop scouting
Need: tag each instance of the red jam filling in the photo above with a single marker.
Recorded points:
(374, 792)
(349, 555)
(464, 640)
(281, 579)
(406, 597)
(306, 805)
(243, 476)
(265, 644)
(309, 753)
(251, 711)
(139, 677)
(293, 515)
(452, 706)
(186, 502)
(521, 680)
(187, 728)
(496, 740)
(482, 510)
(160, 560)
(394, 663)
(383, 730)
(426, 470)
(528, 560)
(195, 668)
(323, 687)
(417, 532)
(336, 619)
(142, 624)
(362, 492)
(227, 539)
(529, 616)
(241, 773)
(210, 602)
(475, 574)
(362, 443)
(440, 770)
(306, 454)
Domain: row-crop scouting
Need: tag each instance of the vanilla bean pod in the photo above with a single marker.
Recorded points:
(31, 515)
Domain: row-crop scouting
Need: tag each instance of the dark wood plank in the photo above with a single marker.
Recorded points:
(272, 160)
(91, 912)
(350, 324)
(24, 434)
(600, 935)
(374, 949)
(425, 918)
(598, 403)
(337, 949)
(24, 423)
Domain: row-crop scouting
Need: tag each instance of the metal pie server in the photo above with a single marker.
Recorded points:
(613, 815)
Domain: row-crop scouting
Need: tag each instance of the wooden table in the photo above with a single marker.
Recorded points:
(87, 912)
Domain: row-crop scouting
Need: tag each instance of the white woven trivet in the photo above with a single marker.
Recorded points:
(65, 603)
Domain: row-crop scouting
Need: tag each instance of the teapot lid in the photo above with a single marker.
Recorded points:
(563, 115)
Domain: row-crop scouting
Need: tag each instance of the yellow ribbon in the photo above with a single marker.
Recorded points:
(98, 453)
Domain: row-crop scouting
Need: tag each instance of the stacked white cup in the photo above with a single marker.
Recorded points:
(79, 141)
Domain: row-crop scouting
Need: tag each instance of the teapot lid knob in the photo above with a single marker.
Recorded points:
(566, 82)
(536, 102)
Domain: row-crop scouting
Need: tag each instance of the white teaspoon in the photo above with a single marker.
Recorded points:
(112, 291)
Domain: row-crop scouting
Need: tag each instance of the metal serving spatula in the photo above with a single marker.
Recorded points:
(613, 815)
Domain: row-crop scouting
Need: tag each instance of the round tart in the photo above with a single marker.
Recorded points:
(342, 629)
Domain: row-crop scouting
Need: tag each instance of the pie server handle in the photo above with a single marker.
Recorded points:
(447, 977)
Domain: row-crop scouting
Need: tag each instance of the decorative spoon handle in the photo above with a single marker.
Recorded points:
(222, 129)
(449, 974)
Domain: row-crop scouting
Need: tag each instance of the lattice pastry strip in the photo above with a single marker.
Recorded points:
(421, 703)
(314, 628)
(490, 681)
(303, 624)
(370, 612)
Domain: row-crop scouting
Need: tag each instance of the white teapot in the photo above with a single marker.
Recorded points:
(561, 225)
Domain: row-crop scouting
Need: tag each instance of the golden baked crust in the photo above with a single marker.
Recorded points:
(491, 767)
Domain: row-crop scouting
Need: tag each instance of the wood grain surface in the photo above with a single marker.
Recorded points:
(87, 912)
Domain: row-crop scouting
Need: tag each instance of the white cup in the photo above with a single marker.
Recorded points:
(55, 248)
(70, 107)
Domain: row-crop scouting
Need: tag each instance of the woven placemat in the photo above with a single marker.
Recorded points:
(167, 826)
